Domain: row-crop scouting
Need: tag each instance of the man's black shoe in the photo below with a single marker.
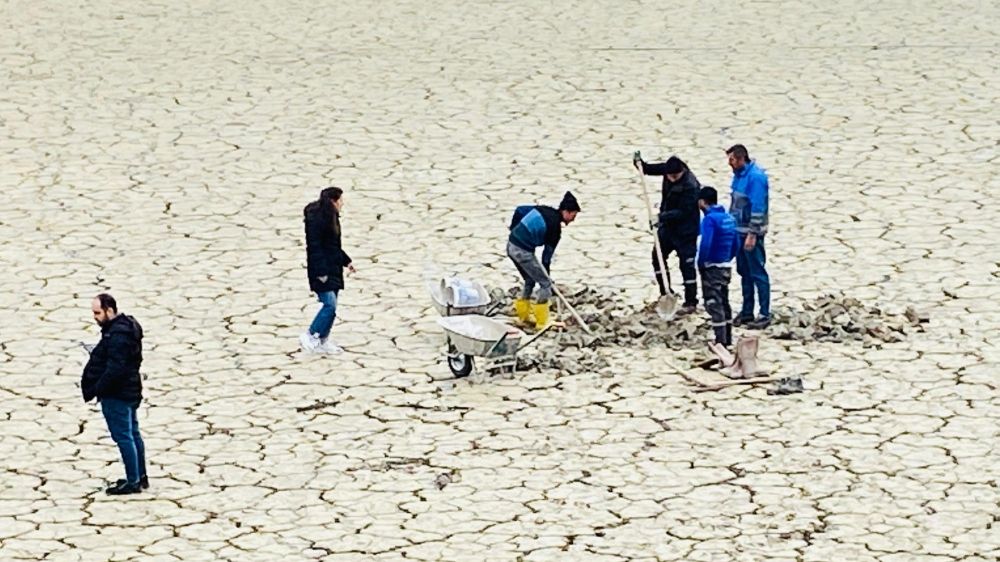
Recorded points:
(687, 310)
(124, 489)
(760, 323)
(143, 482)
(742, 320)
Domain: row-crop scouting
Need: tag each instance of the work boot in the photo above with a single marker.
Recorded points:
(746, 355)
(742, 320)
(690, 295)
(522, 308)
(725, 358)
(720, 335)
(687, 310)
(760, 323)
(541, 312)
(735, 371)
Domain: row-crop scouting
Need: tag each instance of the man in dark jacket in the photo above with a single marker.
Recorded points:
(531, 227)
(112, 376)
(677, 225)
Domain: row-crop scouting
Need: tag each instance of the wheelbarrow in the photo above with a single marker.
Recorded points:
(475, 335)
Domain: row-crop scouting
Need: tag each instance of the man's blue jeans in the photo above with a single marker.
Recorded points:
(323, 322)
(123, 423)
(750, 266)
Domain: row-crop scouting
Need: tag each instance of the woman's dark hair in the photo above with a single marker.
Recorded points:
(324, 206)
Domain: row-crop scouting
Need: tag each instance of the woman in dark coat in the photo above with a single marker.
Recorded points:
(326, 260)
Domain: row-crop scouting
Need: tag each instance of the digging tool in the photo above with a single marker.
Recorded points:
(666, 306)
(572, 310)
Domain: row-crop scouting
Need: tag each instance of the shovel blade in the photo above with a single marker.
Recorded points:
(666, 307)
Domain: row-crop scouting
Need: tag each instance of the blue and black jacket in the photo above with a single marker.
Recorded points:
(536, 225)
(719, 242)
(749, 199)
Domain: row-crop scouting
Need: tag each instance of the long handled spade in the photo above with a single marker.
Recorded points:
(666, 306)
(572, 310)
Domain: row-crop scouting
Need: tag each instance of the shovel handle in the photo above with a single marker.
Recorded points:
(571, 309)
(664, 276)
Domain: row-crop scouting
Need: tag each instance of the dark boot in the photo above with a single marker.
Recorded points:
(687, 310)
(143, 482)
(690, 295)
(124, 489)
(720, 335)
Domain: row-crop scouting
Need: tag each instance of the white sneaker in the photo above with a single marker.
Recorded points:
(310, 343)
(329, 347)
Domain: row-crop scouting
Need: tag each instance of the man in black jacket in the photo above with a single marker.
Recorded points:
(112, 376)
(678, 223)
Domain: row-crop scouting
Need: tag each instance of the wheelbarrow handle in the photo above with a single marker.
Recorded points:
(493, 309)
(532, 339)
(497, 344)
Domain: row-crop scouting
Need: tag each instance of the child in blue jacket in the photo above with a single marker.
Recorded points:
(719, 243)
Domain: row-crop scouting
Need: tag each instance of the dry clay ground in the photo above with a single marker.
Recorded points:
(164, 150)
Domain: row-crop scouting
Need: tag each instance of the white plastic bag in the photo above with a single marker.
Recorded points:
(461, 293)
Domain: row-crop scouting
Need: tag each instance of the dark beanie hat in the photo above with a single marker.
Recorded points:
(674, 165)
(569, 203)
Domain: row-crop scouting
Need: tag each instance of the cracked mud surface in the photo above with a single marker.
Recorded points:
(165, 151)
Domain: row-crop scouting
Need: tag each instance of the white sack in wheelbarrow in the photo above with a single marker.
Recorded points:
(461, 293)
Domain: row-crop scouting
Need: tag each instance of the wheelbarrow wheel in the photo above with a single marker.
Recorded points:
(460, 364)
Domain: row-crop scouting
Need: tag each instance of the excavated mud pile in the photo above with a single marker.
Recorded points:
(613, 323)
(831, 318)
(839, 318)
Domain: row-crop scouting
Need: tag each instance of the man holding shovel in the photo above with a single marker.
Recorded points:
(530, 227)
(677, 223)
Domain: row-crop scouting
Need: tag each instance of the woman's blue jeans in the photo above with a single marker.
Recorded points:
(323, 322)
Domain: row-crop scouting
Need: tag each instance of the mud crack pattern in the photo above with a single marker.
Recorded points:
(164, 151)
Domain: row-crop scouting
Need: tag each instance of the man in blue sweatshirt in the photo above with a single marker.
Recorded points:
(719, 244)
(749, 209)
(530, 227)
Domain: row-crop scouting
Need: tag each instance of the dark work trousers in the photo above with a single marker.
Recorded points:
(715, 289)
(686, 251)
